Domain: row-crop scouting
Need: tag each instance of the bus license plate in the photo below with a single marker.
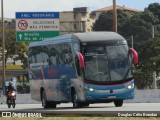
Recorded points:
(111, 97)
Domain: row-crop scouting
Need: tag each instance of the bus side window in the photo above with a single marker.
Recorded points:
(53, 55)
(76, 47)
(30, 55)
(45, 54)
(39, 55)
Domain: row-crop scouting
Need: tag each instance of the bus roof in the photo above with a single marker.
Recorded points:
(83, 37)
(98, 36)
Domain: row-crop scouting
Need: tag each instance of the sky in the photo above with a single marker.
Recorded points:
(12, 6)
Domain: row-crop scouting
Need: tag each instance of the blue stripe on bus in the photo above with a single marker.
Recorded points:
(53, 72)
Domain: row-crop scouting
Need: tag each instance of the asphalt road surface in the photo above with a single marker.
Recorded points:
(108, 108)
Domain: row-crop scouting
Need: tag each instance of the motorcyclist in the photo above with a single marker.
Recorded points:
(10, 88)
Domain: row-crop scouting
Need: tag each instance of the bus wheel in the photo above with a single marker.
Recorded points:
(75, 101)
(85, 105)
(45, 104)
(118, 103)
(52, 105)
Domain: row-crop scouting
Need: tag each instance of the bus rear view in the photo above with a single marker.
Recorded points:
(82, 68)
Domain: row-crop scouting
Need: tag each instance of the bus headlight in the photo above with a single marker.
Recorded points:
(89, 89)
(130, 86)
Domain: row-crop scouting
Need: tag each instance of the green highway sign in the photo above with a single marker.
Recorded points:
(33, 36)
(36, 26)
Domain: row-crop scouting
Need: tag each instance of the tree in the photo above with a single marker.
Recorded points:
(145, 80)
(155, 9)
(149, 59)
(140, 26)
(105, 21)
(16, 50)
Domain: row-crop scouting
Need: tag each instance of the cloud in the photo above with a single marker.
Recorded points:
(12, 6)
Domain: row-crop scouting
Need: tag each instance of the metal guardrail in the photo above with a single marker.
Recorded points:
(15, 72)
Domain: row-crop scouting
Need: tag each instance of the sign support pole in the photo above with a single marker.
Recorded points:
(3, 49)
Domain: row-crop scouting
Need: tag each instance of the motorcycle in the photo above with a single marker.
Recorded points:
(11, 98)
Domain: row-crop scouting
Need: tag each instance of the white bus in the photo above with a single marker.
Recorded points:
(82, 68)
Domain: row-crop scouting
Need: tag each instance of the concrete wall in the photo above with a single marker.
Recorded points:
(21, 99)
(146, 96)
(71, 22)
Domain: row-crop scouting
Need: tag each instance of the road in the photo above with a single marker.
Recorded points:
(92, 107)
(127, 108)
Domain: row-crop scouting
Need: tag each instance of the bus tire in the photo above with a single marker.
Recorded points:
(45, 103)
(52, 105)
(75, 101)
(118, 103)
(85, 105)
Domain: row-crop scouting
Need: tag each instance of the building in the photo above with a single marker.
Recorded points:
(127, 9)
(78, 20)
(8, 24)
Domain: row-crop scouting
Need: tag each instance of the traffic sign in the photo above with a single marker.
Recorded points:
(36, 26)
(30, 36)
(22, 24)
(35, 15)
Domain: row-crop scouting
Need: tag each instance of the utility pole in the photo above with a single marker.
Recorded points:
(132, 41)
(114, 16)
(152, 31)
(3, 48)
(154, 72)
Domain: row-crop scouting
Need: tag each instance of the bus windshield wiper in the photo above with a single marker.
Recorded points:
(126, 73)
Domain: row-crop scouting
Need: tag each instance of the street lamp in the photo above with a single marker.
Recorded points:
(3, 48)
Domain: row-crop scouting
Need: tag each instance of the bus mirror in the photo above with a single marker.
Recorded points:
(81, 59)
(135, 55)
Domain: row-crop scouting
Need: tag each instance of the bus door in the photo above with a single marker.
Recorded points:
(67, 70)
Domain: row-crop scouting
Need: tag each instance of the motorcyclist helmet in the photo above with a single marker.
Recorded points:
(10, 83)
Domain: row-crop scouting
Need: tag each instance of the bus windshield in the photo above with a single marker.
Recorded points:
(107, 63)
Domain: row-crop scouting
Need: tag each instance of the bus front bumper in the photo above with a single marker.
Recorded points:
(94, 96)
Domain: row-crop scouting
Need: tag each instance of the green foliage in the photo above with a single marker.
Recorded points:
(16, 50)
(105, 21)
(149, 59)
(155, 9)
(145, 80)
(140, 26)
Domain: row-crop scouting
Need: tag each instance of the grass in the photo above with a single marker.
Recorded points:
(83, 118)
